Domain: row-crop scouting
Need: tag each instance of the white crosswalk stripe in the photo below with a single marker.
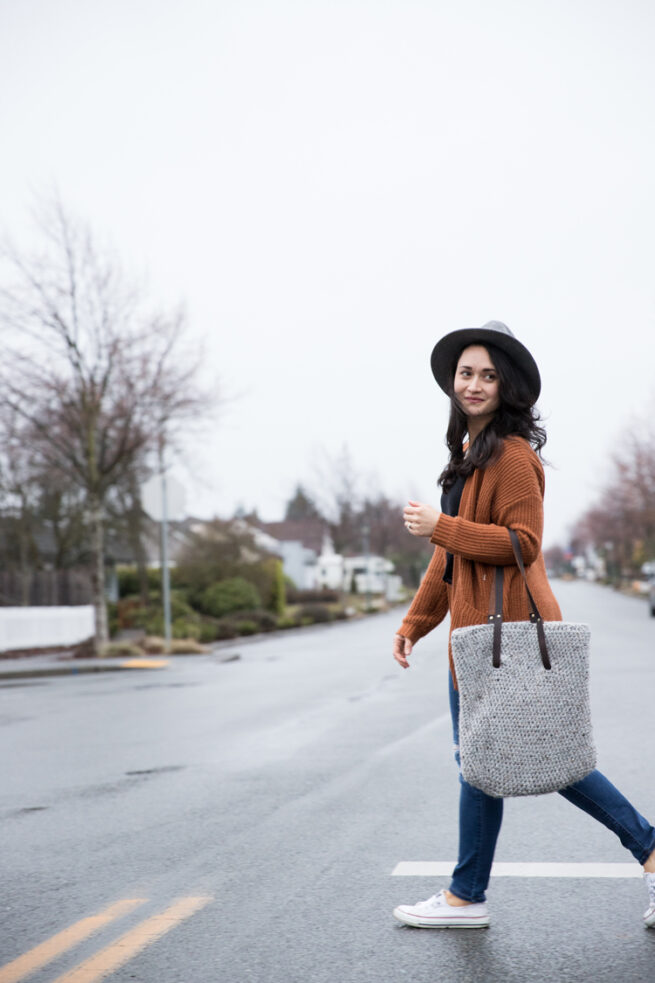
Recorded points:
(443, 868)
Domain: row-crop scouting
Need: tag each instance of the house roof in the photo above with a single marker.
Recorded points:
(310, 532)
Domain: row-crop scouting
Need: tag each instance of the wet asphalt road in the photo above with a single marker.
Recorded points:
(285, 786)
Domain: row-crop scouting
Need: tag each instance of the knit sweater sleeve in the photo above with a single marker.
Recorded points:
(430, 604)
(517, 503)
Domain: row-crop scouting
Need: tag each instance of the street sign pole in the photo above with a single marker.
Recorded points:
(163, 499)
(365, 534)
(165, 572)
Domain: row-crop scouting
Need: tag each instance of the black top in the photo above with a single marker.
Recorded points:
(450, 506)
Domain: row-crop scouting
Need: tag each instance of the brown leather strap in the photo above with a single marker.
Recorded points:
(535, 616)
(518, 556)
(497, 616)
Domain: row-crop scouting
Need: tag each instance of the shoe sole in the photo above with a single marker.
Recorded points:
(479, 921)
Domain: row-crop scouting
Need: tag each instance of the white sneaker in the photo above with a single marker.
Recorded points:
(437, 913)
(649, 915)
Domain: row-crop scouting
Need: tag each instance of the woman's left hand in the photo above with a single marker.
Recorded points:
(420, 519)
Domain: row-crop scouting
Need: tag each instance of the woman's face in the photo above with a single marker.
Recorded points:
(476, 385)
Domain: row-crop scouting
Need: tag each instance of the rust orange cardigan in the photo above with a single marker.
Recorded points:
(507, 493)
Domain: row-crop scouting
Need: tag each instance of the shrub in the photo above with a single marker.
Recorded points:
(152, 645)
(187, 646)
(120, 650)
(180, 606)
(320, 595)
(221, 553)
(247, 627)
(278, 591)
(149, 620)
(316, 613)
(128, 580)
(288, 621)
(112, 618)
(263, 620)
(130, 614)
(232, 594)
(208, 631)
(225, 631)
(186, 628)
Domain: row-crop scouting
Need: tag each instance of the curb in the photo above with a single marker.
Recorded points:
(73, 667)
(70, 669)
(225, 650)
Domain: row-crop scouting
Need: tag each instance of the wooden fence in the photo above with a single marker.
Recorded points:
(41, 588)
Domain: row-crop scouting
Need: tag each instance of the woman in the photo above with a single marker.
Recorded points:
(492, 482)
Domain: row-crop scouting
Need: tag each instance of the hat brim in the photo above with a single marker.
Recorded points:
(448, 349)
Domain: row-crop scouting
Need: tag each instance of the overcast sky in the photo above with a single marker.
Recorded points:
(331, 186)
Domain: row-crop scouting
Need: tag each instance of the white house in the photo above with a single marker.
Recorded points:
(299, 564)
(299, 542)
(329, 571)
(310, 560)
(358, 574)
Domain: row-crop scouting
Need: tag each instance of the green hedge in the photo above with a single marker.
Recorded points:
(229, 595)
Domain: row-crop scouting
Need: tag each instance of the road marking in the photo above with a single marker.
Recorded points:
(144, 663)
(128, 945)
(428, 868)
(44, 953)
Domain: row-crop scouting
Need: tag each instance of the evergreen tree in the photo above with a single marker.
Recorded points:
(301, 506)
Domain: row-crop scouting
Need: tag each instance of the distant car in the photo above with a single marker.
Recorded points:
(651, 597)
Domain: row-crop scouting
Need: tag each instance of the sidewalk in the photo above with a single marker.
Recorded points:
(61, 664)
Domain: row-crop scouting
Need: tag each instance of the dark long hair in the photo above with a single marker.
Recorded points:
(515, 416)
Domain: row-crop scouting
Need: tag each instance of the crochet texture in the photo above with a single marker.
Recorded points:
(523, 729)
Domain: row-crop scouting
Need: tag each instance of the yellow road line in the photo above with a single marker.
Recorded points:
(144, 663)
(128, 945)
(44, 953)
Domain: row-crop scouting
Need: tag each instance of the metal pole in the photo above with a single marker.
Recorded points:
(165, 573)
(365, 532)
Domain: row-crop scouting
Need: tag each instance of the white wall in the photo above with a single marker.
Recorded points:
(41, 627)
(390, 585)
(329, 571)
(299, 564)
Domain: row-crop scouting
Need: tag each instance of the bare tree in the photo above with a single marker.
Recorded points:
(358, 521)
(99, 380)
(389, 538)
(339, 499)
(19, 495)
(621, 523)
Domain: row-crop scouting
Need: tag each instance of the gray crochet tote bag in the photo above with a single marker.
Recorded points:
(524, 718)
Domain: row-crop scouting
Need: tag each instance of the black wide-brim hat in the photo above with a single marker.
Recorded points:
(447, 351)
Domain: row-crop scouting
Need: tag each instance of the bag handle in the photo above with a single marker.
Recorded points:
(497, 615)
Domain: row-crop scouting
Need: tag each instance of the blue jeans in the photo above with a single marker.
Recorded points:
(480, 817)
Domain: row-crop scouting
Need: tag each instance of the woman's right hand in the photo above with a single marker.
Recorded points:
(402, 649)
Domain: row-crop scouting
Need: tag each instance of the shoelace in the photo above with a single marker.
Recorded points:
(430, 903)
